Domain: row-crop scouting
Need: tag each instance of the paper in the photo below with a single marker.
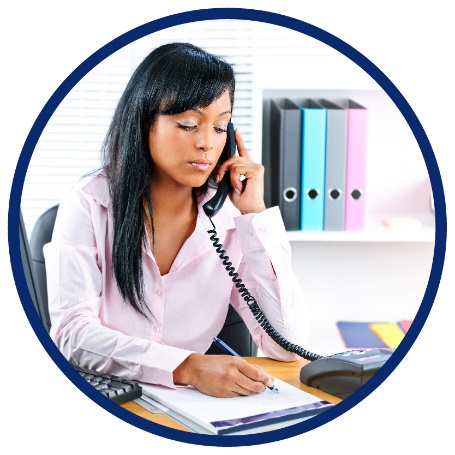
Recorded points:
(232, 415)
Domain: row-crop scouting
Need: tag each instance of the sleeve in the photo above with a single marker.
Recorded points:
(75, 282)
(265, 270)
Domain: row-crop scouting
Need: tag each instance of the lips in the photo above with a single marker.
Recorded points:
(201, 165)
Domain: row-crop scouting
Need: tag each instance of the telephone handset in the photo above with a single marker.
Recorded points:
(212, 207)
(333, 374)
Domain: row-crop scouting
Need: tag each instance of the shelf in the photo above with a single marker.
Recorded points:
(375, 231)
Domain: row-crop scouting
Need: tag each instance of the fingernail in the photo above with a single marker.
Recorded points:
(238, 191)
(217, 178)
(270, 383)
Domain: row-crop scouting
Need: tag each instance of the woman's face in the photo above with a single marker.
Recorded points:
(186, 147)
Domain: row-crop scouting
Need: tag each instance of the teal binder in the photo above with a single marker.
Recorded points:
(314, 120)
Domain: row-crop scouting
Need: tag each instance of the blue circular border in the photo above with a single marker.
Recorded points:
(258, 16)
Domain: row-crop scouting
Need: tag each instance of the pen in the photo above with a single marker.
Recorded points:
(230, 351)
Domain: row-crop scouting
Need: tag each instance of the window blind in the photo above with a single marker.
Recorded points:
(70, 143)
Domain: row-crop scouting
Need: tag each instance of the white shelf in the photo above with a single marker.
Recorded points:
(375, 231)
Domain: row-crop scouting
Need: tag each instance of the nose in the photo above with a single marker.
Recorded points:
(205, 139)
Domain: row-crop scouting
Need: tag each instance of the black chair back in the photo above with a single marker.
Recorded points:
(42, 234)
(236, 335)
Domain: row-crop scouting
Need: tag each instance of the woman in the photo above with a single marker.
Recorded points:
(135, 286)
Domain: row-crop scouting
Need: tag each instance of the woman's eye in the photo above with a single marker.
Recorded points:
(186, 127)
(220, 130)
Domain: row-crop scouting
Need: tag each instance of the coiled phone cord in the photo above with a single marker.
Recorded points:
(253, 305)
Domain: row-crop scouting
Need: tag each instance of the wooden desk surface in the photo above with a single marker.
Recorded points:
(286, 371)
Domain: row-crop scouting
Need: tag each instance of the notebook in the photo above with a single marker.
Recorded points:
(239, 415)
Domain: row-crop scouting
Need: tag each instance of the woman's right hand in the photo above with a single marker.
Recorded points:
(222, 376)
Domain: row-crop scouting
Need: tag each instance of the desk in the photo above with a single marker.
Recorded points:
(286, 371)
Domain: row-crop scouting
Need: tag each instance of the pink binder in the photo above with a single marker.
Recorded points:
(355, 166)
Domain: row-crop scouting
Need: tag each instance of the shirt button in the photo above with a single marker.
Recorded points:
(156, 328)
(250, 231)
(159, 293)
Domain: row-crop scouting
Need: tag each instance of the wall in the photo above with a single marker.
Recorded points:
(348, 280)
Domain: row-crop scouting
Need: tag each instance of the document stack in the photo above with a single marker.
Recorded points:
(318, 151)
(257, 413)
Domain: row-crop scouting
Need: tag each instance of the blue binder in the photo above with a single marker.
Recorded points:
(314, 121)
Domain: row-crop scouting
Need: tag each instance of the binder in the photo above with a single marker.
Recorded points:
(313, 165)
(285, 159)
(355, 166)
(335, 165)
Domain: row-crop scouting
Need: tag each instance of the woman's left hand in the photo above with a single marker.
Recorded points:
(247, 179)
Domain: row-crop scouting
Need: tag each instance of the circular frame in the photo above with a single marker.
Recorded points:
(258, 16)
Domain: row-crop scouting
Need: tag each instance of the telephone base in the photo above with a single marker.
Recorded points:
(343, 373)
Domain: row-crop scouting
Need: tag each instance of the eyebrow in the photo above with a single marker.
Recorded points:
(200, 112)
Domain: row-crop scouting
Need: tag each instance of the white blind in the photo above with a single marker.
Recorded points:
(70, 143)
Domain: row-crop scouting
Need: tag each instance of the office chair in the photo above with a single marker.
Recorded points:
(42, 234)
(234, 332)
(236, 335)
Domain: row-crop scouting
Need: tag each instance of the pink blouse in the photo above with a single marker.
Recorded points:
(92, 325)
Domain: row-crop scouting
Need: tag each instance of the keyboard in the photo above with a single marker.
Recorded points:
(116, 389)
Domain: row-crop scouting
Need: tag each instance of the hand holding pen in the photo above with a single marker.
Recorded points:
(228, 350)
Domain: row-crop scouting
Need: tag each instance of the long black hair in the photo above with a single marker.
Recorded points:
(172, 79)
